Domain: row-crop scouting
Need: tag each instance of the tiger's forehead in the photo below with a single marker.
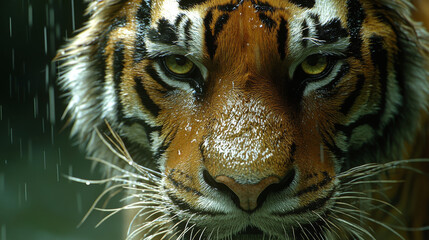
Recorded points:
(308, 24)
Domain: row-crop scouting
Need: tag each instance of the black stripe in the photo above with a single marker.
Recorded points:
(220, 22)
(210, 40)
(101, 53)
(184, 206)
(397, 55)
(339, 154)
(263, 7)
(133, 120)
(187, 30)
(315, 187)
(179, 19)
(186, 4)
(328, 89)
(144, 97)
(165, 33)
(182, 186)
(304, 3)
(351, 99)
(162, 149)
(143, 20)
(379, 59)
(166, 142)
(282, 38)
(312, 206)
(355, 17)
(331, 31)
(267, 21)
(292, 152)
(305, 33)
(155, 76)
(229, 7)
(118, 68)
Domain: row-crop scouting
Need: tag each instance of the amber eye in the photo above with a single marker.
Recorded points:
(178, 65)
(314, 64)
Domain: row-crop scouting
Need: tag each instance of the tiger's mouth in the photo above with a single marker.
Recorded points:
(249, 233)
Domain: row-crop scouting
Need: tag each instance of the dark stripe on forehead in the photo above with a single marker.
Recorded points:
(229, 7)
(188, 35)
(355, 17)
(267, 21)
(303, 3)
(144, 97)
(186, 4)
(305, 33)
(282, 34)
(331, 31)
(118, 68)
(219, 24)
(210, 40)
(165, 33)
(178, 20)
(143, 20)
(263, 7)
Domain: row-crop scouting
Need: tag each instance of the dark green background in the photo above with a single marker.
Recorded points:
(36, 201)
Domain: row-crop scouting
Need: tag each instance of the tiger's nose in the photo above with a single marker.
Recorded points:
(247, 193)
(249, 196)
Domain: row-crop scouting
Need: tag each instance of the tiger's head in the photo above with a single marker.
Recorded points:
(251, 110)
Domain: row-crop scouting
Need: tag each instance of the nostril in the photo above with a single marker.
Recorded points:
(277, 187)
(220, 186)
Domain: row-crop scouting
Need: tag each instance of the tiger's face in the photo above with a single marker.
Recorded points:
(250, 110)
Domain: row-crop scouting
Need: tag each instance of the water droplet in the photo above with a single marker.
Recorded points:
(73, 18)
(36, 106)
(44, 159)
(52, 104)
(10, 27)
(3, 232)
(46, 39)
(30, 15)
(25, 192)
(87, 183)
(58, 173)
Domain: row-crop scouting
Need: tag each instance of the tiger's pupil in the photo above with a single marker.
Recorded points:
(181, 60)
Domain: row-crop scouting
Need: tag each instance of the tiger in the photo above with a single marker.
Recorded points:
(255, 119)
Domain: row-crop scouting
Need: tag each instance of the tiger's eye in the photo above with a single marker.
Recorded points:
(314, 65)
(178, 64)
